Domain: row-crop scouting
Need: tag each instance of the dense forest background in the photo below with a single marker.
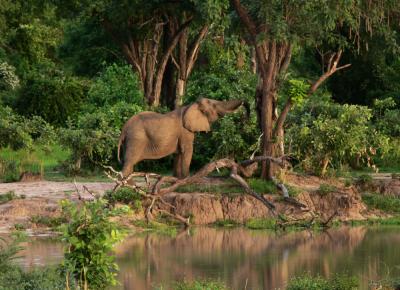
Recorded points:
(71, 74)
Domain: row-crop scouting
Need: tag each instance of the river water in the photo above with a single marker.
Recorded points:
(242, 258)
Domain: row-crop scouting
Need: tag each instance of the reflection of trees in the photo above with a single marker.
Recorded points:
(265, 259)
(40, 251)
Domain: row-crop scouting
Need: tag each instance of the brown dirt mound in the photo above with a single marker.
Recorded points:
(208, 208)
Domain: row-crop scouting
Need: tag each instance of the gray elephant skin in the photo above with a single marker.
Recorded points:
(150, 135)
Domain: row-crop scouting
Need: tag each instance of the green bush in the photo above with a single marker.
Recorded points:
(233, 135)
(324, 135)
(90, 237)
(338, 282)
(19, 132)
(124, 195)
(93, 137)
(11, 169)
(8, 78)
(54, 99)
(115, 84)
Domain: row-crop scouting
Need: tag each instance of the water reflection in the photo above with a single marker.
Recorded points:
(240, 257)
(260, 259)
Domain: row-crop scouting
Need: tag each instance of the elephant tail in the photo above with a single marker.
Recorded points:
(121, 140)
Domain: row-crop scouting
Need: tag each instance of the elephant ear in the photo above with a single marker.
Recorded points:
(195, 120)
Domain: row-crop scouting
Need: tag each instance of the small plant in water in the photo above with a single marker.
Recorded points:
(90, 237)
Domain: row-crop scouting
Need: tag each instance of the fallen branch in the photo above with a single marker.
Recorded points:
(166, 184)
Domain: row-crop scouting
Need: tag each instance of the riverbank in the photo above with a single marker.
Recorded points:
(34, 206)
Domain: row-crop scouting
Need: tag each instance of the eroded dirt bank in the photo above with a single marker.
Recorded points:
(42, 199)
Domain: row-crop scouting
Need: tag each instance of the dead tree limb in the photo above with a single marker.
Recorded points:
(166, 184)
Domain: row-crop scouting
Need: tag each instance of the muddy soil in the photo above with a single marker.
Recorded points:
(40, 198)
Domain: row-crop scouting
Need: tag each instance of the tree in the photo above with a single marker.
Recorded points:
(275, 27)
(157, 38)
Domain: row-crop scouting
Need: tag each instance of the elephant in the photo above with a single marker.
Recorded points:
(150, 135)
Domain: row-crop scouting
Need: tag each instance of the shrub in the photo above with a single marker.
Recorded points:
(90, 236)
(8, 79)
(117, 83)
(54, 99)
(19, 132)
(124, 195)
(231, 136)
(11, 170)
(93, 137)
(323, 134)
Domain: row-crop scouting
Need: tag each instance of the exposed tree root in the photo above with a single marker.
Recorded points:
(154, 191)
(156, 186)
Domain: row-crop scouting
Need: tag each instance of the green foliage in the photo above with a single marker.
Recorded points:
(90, 236)
(12, 169)
(9, 171)
(390, 204)
(8, 196)
(324, 189)
(337, 282)
(13, 277)
(261, 223)
(48, 221)
(93, 137)
(124, 195)
(8, 78)
(199, 285)
(54, 99)
(233, 135)
(262, 186)
(19, 132)
(114, 85)
(297, 91)
(324, 134)
(364, 179)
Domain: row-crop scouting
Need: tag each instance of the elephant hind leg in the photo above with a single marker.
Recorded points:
(127, 169)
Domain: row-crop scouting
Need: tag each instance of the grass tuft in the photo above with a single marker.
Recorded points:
(261, 223)
(390, 204)
(337, 282)
(4, 198)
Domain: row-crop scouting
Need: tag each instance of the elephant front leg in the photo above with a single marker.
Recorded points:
(186, 160)
(178, 165)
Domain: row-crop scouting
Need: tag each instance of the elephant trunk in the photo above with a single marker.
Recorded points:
(230, 106)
